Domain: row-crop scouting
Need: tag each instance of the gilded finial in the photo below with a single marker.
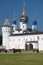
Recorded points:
(24, 4)
(34, 18)
(14, 16)
(7, 17)
(24, 9)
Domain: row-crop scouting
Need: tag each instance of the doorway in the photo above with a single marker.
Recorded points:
(29, 46)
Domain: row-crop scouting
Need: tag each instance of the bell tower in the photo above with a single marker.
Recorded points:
(6, 32)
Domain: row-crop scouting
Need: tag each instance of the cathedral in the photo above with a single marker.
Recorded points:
(23, 38)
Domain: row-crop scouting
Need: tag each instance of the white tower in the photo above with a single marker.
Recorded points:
(6, 31)
(14, 26)
(23, 19)
(34, 24)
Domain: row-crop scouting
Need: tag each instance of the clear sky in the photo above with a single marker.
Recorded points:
(33, 7)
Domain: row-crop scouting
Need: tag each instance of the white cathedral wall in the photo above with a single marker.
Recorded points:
(41, 42)
(18, 42)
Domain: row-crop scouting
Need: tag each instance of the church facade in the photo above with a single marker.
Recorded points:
(23, 38)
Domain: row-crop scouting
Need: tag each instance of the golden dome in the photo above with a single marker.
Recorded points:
(23, 15)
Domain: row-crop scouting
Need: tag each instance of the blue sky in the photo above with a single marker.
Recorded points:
(33, 7)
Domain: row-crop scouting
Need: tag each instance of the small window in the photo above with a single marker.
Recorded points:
(19, 39)
(41, 38)
(23, 26)
(24, 39)
(9, 40)
(33, 38)
(13, 39)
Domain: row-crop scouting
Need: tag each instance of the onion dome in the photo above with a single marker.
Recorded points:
(24, 14)
(14, 22)
(23, 17)
(24, 21)
(34, 22)
(7, 22)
